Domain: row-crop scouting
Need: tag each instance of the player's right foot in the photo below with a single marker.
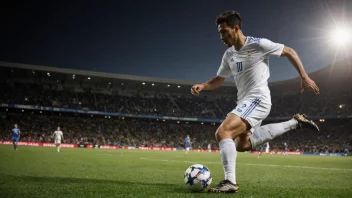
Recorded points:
(225, 186)
(305, 123)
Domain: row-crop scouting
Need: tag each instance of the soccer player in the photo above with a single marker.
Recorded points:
(267, 148)
(285, 148)
(209, 147)
(264, 146)
(247, 60)
(346, 151)
(16, 132)
(58, 136)
(187, 143)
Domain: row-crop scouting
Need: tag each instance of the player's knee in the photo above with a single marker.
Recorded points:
(243, 147)
(222, 133)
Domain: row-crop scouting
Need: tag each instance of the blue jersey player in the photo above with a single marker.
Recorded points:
(345, 150)
(15, 136)
(285, 148)
(187, 143)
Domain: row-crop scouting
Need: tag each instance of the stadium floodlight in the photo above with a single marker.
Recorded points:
(202, 123)
(40, 111)
(88, 78)
(22, 110)
(178, 122)
(341, 36)
(153, 84)
(143, 83)
(178, 86)
(48, 74)
(109, 83)
(168, 85)
(7, 109)
(73, 76)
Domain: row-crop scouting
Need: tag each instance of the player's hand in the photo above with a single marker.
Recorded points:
(307, 83)
(196, 89)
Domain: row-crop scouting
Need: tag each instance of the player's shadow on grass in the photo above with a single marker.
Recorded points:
(171, 188)
(69, 180)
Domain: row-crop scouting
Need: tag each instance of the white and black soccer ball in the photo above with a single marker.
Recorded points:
(197, 177)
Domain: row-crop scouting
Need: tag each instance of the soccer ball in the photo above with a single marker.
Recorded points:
(197, 177)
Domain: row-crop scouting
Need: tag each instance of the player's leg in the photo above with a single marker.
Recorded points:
(14, 142)
(58, 147)
(266, 133)
(231, 127)
(261, 151)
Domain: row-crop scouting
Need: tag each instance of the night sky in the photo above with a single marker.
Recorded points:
(168, 39)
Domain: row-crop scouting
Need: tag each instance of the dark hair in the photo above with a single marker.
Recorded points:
(231, 18)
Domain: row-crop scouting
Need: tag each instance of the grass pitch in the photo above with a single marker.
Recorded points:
(42, 172)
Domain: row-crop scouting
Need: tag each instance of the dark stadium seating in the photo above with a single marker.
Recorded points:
(24, 86)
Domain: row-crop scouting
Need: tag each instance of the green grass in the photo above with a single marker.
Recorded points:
(42, 172)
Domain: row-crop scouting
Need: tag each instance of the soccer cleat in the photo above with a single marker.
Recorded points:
(225, 186)
(304, 123)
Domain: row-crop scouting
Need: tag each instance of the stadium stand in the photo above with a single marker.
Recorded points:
(95, 91)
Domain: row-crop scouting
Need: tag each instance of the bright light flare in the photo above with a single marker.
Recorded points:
(342, 36)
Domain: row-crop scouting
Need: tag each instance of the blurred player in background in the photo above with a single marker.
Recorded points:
(209, 147)
(345, 150)
(285, 148)
(265, 147)
(187, 143)
(16, 132)
(58, 135)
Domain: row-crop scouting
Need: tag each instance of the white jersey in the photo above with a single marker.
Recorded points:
(250, 66)
(58, 135)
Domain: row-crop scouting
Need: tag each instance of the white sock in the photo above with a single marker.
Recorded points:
(228, 154)
(268, 132)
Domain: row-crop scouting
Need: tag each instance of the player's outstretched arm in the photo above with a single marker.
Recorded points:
(293, 57)
(213, 83)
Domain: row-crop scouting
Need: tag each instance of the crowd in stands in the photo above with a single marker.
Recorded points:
(84, 129)
(171, 104)
(335, 99)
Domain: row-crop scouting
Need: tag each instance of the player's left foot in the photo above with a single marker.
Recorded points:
(225, 186)
(305, 123)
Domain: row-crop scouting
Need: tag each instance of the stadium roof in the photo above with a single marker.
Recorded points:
(339, 71)
(100, 74)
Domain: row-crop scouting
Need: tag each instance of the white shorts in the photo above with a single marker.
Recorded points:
(57, 141)
(254, 110)
(187, 149)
